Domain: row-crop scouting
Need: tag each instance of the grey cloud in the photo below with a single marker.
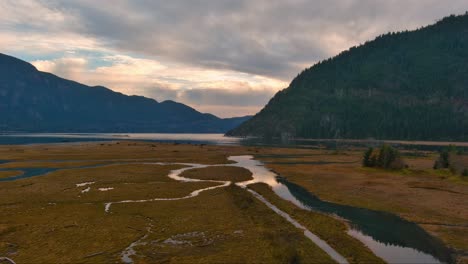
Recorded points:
(224, 97)
(161, 93)
(221, 102)
(242, 97)
(276, 38)
(265, 37)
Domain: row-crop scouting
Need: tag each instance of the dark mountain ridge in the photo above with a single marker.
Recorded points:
(34, 101)
(411, 85)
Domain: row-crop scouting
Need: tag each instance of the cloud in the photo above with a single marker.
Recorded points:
(263, 37)
(200, 88)
(222, 97)
(222, 102)
(216, 55)
(29, 14)
(241, 96)
(71, 68)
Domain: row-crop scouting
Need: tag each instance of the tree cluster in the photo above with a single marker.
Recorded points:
(452, 158)
(385, 157)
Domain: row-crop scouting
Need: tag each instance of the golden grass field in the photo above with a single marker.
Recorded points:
(49, 219)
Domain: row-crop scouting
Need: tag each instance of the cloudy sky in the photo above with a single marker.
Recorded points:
(218, 56)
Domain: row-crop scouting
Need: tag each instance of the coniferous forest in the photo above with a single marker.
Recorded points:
(409, 85)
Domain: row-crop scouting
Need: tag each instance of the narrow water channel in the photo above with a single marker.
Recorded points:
(390, 237)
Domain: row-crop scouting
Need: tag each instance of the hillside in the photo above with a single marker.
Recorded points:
(407, 85)
(34, 101)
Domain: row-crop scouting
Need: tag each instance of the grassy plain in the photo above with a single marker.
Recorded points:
(51, 219)
(221, 173)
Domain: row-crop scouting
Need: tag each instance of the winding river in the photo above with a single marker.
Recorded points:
(388, 236)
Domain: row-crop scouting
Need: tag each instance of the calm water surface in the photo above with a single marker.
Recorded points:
(33, 138)
(214, 139)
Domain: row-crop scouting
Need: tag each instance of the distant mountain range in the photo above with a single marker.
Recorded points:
(34, 101)
(407, 85)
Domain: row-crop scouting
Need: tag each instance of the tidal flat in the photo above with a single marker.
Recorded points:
(60, 216)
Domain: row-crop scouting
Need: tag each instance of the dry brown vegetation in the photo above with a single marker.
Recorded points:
(221, 173)
(49, 219)
(7, 174)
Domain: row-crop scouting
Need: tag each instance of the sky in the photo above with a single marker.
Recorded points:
(223, 57)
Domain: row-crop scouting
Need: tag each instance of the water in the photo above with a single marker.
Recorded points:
(36, 138)
(26, 173)
(214, 139)
(387, 235)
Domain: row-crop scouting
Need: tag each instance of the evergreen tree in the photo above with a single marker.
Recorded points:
(367, 159)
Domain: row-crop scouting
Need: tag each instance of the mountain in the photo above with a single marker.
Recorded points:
(34, 101)
(409, 85)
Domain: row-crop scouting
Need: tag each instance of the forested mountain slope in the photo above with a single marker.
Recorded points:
(407, 85)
